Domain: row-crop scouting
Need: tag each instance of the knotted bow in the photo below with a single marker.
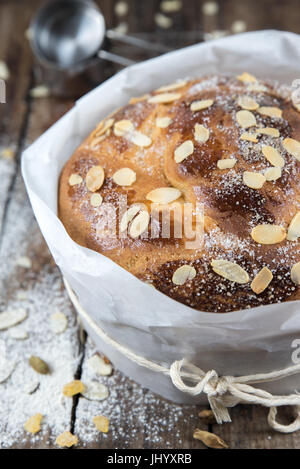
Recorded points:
(227, 391)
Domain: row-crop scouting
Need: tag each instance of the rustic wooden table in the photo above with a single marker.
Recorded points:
(138, 419)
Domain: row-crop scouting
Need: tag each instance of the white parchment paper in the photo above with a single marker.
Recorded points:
(159, 328)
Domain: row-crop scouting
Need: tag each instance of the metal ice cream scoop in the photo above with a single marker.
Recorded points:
(65, 34)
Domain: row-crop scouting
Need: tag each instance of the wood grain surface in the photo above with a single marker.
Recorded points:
(138, 419)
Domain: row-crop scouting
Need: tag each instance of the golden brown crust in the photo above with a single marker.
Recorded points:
(232, 209)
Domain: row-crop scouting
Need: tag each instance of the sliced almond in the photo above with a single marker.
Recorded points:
(246, 78)
(98, 366)
(211, 440)
(292, 146)
(95, 391)
(246, 102)
(163, 122)
(295, 273)
(101, 423)
(171, 87)
(201, 104)
(33, 424)
(58, 322)
(73, 388)
(226, 163)
(124, 177)
(245, 119)
(96, 200)
(138, 99)
(94, 178)
(249, 137)
(273, 156)
(254, 180)
(99, 139)
(268, 131)
(66, 440)
(262, 280)
(164, 98)
(294, 228)
(11, 318)
(163, 195)
(103, 127)
(139, 139)
(75, 179)
(230, 270)
(272, 174)
(268, 234)
(128, 216)
(201, 133)
(123, 127)
(257, 88)
(183, 274)
(139, 224)
(270, 111)
(183, 151)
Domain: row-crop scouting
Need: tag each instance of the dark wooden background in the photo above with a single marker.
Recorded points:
(23, 118)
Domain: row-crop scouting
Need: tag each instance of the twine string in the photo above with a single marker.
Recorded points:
(222, 391)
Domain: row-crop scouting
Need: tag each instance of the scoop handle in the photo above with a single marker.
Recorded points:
(117, 59)
(134, 41)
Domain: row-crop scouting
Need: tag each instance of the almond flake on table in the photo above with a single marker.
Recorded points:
(8, 153)
(66, 440)
(40, 91)
(95, 391)
(31, 386)
(58, 322)
(210, 8)
(24, 261)
(18, 333)
(98, 366)
(6, 369)
(170, 6)
(239, 26)
(101, 423)
(121, 8)
(73, 388)
(33, 424)
(163, 21)
(4, 71)
(11, 318)
(210, 439)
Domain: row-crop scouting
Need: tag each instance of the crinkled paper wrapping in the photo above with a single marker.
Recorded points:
(244, 342)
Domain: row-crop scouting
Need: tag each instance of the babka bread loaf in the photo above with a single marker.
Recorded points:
(195, 189)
